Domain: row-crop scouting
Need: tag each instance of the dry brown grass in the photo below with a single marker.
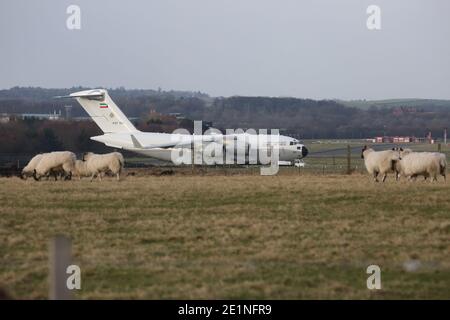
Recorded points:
(287, 236)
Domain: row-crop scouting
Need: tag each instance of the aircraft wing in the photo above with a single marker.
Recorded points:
(212, 138)
(138, 145)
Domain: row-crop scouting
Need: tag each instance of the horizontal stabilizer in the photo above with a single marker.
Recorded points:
(85, 94)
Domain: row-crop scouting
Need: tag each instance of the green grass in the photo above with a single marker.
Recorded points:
(244, 236)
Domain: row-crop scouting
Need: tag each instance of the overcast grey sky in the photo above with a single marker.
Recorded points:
(310, 48)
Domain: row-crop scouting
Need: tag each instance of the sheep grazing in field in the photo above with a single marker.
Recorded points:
(380, 162)
(442, 165)
(427, 164)
(55, 163)
(28, 170)
(59, 172)
(98, 164)
(81, 169)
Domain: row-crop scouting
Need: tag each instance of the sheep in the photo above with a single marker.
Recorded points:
(427, 164)
(81, 169)
(60, 161)
(442, 160)
(380, 162)
(442, 165)
(59, 172)
(96, 164)
(28, 170)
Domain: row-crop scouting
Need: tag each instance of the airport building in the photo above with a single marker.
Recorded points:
(403, 139)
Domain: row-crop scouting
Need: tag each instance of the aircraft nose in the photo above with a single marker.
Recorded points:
(304, 152)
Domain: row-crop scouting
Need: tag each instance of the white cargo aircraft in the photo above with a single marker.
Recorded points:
(120, 133)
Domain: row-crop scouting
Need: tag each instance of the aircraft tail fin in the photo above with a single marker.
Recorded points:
(102, 109)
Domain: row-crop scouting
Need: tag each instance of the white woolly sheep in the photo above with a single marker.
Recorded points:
(81, 169)
(55, 162)
(442, 165)
(28, 170)
(96, 164)
(380, 162)
(427, 164)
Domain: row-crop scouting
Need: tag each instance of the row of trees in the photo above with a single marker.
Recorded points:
(324, 118)
(34, 136)
(303, 118)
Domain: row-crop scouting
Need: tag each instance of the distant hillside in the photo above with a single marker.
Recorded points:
(37, 93)
(392, 103)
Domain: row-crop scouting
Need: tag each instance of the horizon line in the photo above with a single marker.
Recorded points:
(228, 96)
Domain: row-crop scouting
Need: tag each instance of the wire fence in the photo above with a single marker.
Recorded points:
(12, 165)
(344, 160)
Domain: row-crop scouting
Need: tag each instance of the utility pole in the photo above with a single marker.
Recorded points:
(192, 156)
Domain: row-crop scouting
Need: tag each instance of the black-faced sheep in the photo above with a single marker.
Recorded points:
(59, 161)
(28, 170)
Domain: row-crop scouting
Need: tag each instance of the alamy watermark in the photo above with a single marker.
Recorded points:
(73, 21)
(374, 19)
(236, 146)
(74, 279)
(374, 280)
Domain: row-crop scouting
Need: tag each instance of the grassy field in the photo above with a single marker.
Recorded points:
(287, 236)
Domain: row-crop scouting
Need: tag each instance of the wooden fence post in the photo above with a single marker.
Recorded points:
(439, 147)
(349, 157)
(60, 259)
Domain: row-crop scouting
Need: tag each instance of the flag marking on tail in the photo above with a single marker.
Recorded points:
(102, 109)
